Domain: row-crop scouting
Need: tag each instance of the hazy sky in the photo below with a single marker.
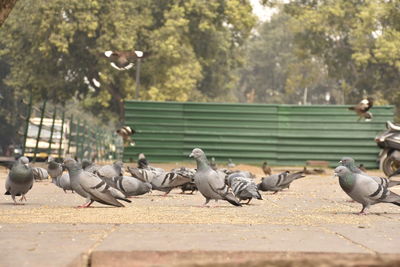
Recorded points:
(264, 13)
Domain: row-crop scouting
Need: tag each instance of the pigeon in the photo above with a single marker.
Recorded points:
(231, 164)
(362, 108)
(160, 180)
(40, 174)
(266, 169)
(362, 168)
(126, 133)
(142, 162)
(110, 171)
(89, 166)
(54, 169)
(191, 186)
(364, 189)
(397, 172)
(350, 164)
(92, 187)
(208, 181)
(122, 60)
(278, 182)
(213, 164)
(244, 188)
(63, 182)
(129, 186)
(20, 179)
(313, 171)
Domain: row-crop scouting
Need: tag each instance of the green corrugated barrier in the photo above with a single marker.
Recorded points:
(253, 133)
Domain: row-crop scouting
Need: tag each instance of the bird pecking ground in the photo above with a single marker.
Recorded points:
(314, 200)
(314, 215)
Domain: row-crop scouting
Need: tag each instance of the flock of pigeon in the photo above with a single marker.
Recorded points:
(108, 185)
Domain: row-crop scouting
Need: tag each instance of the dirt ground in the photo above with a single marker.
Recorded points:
(315, 215)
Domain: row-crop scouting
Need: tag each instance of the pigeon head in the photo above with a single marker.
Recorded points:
(347, 162)
(86, 163)
(118, 164)
(341, 171)
(23, 160)
(70, 164)
(197, 153)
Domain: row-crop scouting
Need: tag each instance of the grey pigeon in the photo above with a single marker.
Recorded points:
(243, 187)
(191, 186)
(20, 179)
(92, 187)
(231, 164)
(40, 174)
(364, 189)
(89, 166)
(395, 173)
(160, 180)
(266, 169)
(110, 171)
(209, 182)
(351, 165)
(278, 182)
(213, 164)
(129, 186)
(142, 162)
(63, 182)
(54, 169)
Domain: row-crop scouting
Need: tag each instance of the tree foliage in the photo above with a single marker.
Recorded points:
(358, 41)
(55, 49)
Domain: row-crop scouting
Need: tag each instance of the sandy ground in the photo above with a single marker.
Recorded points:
(315, 215)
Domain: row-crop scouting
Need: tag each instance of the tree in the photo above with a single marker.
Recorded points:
(5, 8)
(195, 46)
(358, 41)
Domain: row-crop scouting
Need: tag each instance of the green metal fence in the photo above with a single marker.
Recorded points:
(252, 133)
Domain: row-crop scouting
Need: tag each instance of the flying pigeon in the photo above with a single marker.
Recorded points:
(20, 179)
(351, 165)
(92, 187)
(63, 182)
(129, 186)
(362, 108)
(266, 169)
(40, 174)
(209, 182)
(126, 133)
(364, 189)
(123, 60)
(244, 188)
(278, 182)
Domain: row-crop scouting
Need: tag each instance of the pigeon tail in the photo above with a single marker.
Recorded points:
(7, 193)
(124, 199)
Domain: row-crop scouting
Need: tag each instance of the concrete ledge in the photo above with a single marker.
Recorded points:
(222, 258)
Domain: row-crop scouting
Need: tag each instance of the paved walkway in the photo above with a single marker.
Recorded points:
(313, 216)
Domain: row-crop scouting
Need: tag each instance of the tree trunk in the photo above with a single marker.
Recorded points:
(5, 8)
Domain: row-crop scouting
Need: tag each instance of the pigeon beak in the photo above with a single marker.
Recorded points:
(26, 164)
(340, 162)
(191, 155)
(335, 175)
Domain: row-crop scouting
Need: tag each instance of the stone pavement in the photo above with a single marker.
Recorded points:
(314, 216)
